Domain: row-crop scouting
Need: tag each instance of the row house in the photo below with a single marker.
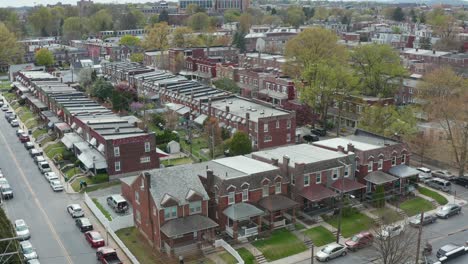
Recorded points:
(262, 60)
(202, 69)
(272, 41)
(125, 71)
(379, 160)
(227, 70)
(178, 56)
(316, 175)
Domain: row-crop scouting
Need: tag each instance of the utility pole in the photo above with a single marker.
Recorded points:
(340, 213)
(419, 237)
(312, 253)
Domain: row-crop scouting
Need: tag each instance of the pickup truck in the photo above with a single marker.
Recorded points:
(107, 255)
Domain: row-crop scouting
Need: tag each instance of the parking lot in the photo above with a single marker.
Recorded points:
(101, 196)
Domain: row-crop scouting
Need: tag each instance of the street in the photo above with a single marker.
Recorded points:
(53, 231)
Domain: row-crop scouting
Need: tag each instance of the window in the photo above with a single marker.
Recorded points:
(170, 212)
(318, 178)
(265, 127)
(145, 159)
(137, 197)
(277, 123)
(370, 165)
(195, 207)
(265, 190)
(138, 216)
(348, 170)
(393, 160)
(403, 159)
(334, 174)
(231, 198)
(278, 187)
(267, 138)
(117, 151)
(357, 165)
(293, 179)
(245, 195)
(147, 147)
(288, 124)
(288, 137)
(117, 166)
(306, 180)
(380, 164)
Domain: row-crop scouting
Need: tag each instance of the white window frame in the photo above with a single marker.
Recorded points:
(265, 127)
(138, 216)
(288, 124)
(170, 213)
(147, 146)
(288, 137)
(393, 161)
(278, 186)
(380, 164)
(335, 174)
(245, 195)
(267, 138)
(231, 198)
(117, 166)
(265, 190)
(293, 179)
(306, 182)
(117, 151)
(145, 159)
(195, 207)
(403, 159)
(137, 197)
(370, 166)
(318, 178)
(277, 124)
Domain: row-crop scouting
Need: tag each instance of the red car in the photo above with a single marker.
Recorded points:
(359, 241)
(24, 138)
(95, 239)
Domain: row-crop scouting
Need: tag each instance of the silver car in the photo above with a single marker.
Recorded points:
(28, 251)
(427, 219)
(22, 230)
(330, 252)
(448, 210)
(50, 176)
(56, 185)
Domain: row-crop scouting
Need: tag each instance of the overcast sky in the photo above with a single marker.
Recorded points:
(17, 3)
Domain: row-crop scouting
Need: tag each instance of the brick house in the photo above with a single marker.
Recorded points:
(262, 60)
(170, 208)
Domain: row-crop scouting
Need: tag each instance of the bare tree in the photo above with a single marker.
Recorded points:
(395, 249)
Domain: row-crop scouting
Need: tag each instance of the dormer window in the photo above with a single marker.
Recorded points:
(195, 207)
(231, 198)
(170, 212)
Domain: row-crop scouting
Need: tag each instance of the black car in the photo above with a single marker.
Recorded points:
(84, 224)
(319, 131)
(462, 180)
(311, 138)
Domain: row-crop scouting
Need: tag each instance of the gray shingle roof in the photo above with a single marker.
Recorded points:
(188, 224)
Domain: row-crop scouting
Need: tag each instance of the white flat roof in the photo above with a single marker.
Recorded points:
(335, 142)
(246, 165)
(302, 153)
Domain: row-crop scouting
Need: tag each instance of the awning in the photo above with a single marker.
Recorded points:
(93, 141)
(64, 127)
(276, 202)
(183, 111)
(186, 225)
(101, 147)
(379, 177)
(273, 94)
(403, 171)
(200, 119)
(317, 192)
(69, 139)
(73, 126)
(91, 158)
(349, 185)
(80, 130)
(242, 211)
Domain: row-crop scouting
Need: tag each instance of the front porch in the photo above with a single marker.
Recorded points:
(244, 220)
(276, 206)
(316, 200)
(349, 187)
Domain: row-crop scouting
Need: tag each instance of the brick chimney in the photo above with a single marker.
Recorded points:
(341, 149)
(147, 180)
(247, 122)
(285, 166)
(350, 147)
(210, 182)
(274, 162)
(227, 109)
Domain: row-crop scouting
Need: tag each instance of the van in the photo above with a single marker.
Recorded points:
(425, 174)
(44, 166)
(117, 203)
(440, 184)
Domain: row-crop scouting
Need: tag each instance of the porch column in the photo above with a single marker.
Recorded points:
(293, 215)
(271, 220)
(259, 223)
(234, 230)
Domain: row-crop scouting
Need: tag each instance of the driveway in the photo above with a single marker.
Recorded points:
(101, 196)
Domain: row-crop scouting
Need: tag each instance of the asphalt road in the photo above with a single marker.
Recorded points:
(53, 231)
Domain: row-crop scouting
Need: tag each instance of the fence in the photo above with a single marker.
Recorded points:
(110, 226)
(228, 248)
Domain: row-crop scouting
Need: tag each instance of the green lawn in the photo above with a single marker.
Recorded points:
(102, 186)
(433, 194)
(351, 224)
(246, 256)
(102, 209)
(100, 178)
(26, 115)
(228, 258)
(387, 215)
(136, 243)
(179, 161)
(54, 149)
(280, 244)
(320, 235)
(9, 96)
(197, 144)
(39, 132)
(299, 226)
(31, 123)
(5, 86)
(415, 205)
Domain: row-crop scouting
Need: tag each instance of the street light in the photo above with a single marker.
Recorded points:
(340, 213)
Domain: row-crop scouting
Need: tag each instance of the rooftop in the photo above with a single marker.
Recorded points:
(245, 165)
(302, 153)
(361, 140)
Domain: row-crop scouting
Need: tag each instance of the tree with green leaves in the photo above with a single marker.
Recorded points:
(240, 144)
(157, 36)
(101, 89)
(164, 16)
(398, 14)
(227, 85)
(122, 96)
(74, 28)
(137, 57)
(295, 16)
(86, 77)
(389, 121)
(10, 52)
(414, 17)
(193, 9)
(245, 22)
(11, 20)
(40, 19)
(7, 231)
(44, 57)
(130, 41)
(101, 21)
(238, 40)
(154, 19)
(199, 21)
(231, 15)
(183, 37)
(379, 69)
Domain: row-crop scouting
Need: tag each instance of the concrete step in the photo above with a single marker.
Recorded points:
(260, 259)
(308, 243)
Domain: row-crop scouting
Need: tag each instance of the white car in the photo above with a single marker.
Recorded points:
(14, 123)
(5, 108)
(19, 132)
(391, 231)
(75, 210)
(50, 176)
(28, 251)
(331, 251)
(3, 181)
(22, 230)
(56, 185)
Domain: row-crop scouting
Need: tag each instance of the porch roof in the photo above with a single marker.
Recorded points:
(276, 202)
(188, 224)
(403, 171)
(242, 211)
(317, 192)
(349, 185)
(379, 177)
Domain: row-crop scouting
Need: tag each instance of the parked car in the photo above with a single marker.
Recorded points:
(35, 152)
(24, 138)
(28, 145)
(443, 174)
(117, 203)
(38, 159)
(84, 224)
(448, 210)
(7, 191)
(1, 102)
(10, 117)
(311, 138)
(439, 184)
(8, 113)
(3, 181)
(22, 230)
(19, 132)
(14, 123)
(5, 108)
(107, 255)
(56, 185)
(28, 251)
(360, 240)
(331, 251)
(462, 180)
(44, 166)
(391, 231)
(75, 210)
(425, 174)
(319, 131)
(94, 238)
(450, 249)
(33, 261)
(50, 176)
(427, 219)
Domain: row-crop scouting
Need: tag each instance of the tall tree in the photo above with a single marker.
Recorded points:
(101, 89)
(183, 37)
(10, 51)
(129, 40)
(414, 17)
(443, 24)
(245, 22)
(101, 21)
(239, 41)
(74, 28)
(41, 20)
(193, 9)
(11, 20)
(446, 94)
(231, 15)
(295, 16)
(122, 96)
(321, 13)
(164, 16)
(199, 21)
(389, 121)
(240, 144)
(379, 69)
(137, 57)
(44, 57)
(157, 36)
(398, 14)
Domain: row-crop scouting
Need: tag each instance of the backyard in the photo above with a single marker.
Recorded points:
(178, 161)
(416, 205)
(246, 256)
(39, 132)
(134, 242)
(5, 86)
(320, 235)
(387, 215)
(351, 224)
(280, 244)
(58, 148)
(99, 179)
(433, 194)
